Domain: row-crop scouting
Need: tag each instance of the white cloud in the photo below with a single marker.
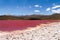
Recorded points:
(36, 10)
(37, 6)
(53, 9)
(56, 11)
(48, 9)
(57, 6)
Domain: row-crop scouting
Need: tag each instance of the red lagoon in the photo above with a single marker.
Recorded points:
(9, 25)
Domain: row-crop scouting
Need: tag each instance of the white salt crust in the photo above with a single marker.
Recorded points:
(49, 31)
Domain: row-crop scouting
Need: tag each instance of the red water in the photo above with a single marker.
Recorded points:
(9, 25)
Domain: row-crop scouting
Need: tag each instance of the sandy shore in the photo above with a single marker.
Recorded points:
(49, 31)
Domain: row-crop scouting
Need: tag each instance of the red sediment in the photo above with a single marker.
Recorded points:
(9, 25)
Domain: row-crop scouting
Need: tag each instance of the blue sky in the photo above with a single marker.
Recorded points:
(28, 7)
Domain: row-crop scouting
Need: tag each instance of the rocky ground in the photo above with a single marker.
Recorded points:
(49, 31)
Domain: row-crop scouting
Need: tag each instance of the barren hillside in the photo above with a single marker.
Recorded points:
(55, 16)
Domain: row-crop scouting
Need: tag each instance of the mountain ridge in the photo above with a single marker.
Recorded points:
(31, 17)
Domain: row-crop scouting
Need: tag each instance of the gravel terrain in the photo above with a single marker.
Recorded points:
(49, 31)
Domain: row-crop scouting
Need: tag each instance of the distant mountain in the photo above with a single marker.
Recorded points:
(9, 17)
(31, 17)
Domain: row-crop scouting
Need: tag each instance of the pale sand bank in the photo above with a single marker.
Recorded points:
(49, 31)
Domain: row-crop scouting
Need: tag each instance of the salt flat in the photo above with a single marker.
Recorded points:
(49, 31)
